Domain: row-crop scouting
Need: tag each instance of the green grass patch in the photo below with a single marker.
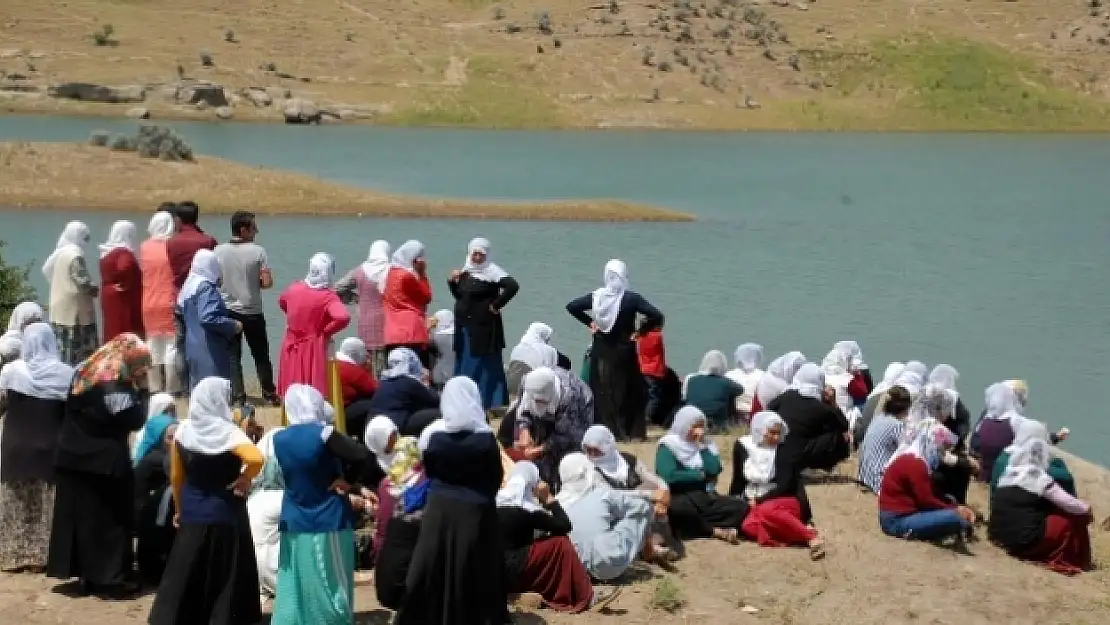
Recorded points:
(938, 84)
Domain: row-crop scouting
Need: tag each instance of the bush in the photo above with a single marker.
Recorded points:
(162, 142)
(103, 37)
(15, 287)
(229, 36)
(121, 143)
(543, 22)
(206, 59)
(498, 13)
(99, 138)
(666, 596)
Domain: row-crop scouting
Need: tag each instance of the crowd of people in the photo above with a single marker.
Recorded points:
(103, 482)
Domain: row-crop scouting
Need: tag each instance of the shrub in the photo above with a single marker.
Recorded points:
(206, 59)
(103, 37)
(121, 143)
(162, 142)
(666, 596)
(512, 28)
(543, 22)
(99, 138)
(229, 36)
(15, 287)
(498, 13)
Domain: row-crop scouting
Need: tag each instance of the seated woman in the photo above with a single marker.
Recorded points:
(358, 383)
(883, 437)
(998, 425)
(874, 400)
(691, 464)
(402, 394)
(401, 496)
(153, 497)
(552, 416)
(712, 393)
(837, 367)
(1033, 519)
(1031, 430)
(747, 374)
(549, 566)
(766, 476)
(533, 352)
(623, 471)
(953, 476)
(818, 429)
(909, 507)
(610, 528)
(776, 379)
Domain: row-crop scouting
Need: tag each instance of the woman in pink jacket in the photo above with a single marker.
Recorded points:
(406, 298)
(313, 315)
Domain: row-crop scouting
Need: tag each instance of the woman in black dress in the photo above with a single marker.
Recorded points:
(610, 313)
(211, 576)
(456, 570)
(481, 289)
(818, 436)
(153, 496)
(93, 505)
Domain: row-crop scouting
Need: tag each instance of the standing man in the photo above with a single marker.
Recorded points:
(246, 272)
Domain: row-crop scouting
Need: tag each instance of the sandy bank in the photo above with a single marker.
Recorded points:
(66, 175)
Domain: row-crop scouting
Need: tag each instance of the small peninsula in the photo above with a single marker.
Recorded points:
(71, 175)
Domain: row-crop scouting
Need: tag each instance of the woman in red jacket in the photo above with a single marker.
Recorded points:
(405, 301)
(357, 383)
(121, 290)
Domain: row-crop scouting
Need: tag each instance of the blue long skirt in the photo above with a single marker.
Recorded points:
(488, 372)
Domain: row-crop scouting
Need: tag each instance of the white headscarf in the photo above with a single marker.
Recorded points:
(1026, 430)
(161, 226)
(402, 361)
(488, 271)
(688, 454)
(542, 392)
(533, 349)
(759, 468)
(929, 441)
(461, 406)
(610, 462)
(376, 265)
(890, 376)
(445, 321)
(779, 375)
(159, 403)
(39, 372)
(748, 357)
(809, 381)
(377, 434)
(123, 234)
(837, 362)
(205, 268)
(933, 402)
(912, 381)
(713, 362)
(607, 299)
(576, 473)
(321, 271)
(519, 489)
(855, 354)
(304, 404)
(1028, 468)
(209, 429)
(1001, 402)
(944, 376)
(425, 438)
(74, 237)
(918, 367)
(408, 253)
(22, 315)
(352, 351)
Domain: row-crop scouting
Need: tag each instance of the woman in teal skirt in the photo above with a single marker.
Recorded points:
(316, 560)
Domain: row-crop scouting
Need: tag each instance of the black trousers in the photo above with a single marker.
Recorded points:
(254, 331)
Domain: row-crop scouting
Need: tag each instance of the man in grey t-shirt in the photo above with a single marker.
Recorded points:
(245, 273)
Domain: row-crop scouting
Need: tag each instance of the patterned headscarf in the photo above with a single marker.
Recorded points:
(123, 359)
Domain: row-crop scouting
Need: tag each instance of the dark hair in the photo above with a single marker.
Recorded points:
(240, 220)
(187, 212)
(898, 400)
(166, 207)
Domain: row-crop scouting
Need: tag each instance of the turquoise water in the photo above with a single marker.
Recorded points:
(989, 252)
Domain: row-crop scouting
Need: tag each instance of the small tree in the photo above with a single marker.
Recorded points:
(15, 287)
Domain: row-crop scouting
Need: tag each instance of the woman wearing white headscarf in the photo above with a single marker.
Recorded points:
(403, 394)
(153, 495)
(838, 367)
(819, 431)
(690, 464)
(953, 477)
(610, 312)
(33, 390)
(551, 417)
(779, 375)
(908, 506)
(532, 352)
(405, 301)
(209, 329)
(364, 286)
(996, 427)
(875, 400)
(1029, 430)
(457, 566)
(747, 358)
(778, 508)
(121, 280)
(159, 301)
(357, 384)
(443, 344)
(313, 315)
(23, 315)
(72, 291)
(481, 290)
(1034, 519)
(710, 391)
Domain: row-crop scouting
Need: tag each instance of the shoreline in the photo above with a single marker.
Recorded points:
(60, 176)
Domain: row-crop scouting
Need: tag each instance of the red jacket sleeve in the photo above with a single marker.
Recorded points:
(338, 316)
(922, 485)
(417, 290)
(857, 388)
(364, 383)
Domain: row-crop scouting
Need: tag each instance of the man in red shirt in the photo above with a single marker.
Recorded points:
(653, 366)
(186, 241)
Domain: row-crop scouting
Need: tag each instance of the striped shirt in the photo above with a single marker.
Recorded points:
(879, 444)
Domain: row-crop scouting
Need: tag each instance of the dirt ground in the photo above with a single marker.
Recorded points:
(866, 578)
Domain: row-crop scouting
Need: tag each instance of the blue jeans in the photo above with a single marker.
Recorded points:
(654, 400)
(931, 525)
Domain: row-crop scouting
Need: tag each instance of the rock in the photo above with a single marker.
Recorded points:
(301, 111)
(258, 97)
(139, 112)
(90, 92)
(751, 103)
(225, 112)
(209, 93)
(347, 115)
(279, 93)
(201, 106)
(99, 138)
(16, 85)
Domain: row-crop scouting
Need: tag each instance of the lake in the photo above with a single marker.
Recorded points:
(988, 252)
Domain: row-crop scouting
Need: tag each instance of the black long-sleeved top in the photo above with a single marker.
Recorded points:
(464, 465)
(816, 429)
(93, 439)
(356, 460)
(519, 528)
(788, 481)
(632, 304)
(473, 299)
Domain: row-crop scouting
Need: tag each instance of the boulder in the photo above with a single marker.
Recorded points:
(209, 93)
(225, 112)
(90, 92)
(258, 97)
(301, 111)
(139, 112)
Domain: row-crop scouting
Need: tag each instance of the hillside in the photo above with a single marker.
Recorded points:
(752, 64)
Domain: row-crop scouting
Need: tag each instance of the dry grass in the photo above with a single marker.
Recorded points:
(62, 175)
(451, 62)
